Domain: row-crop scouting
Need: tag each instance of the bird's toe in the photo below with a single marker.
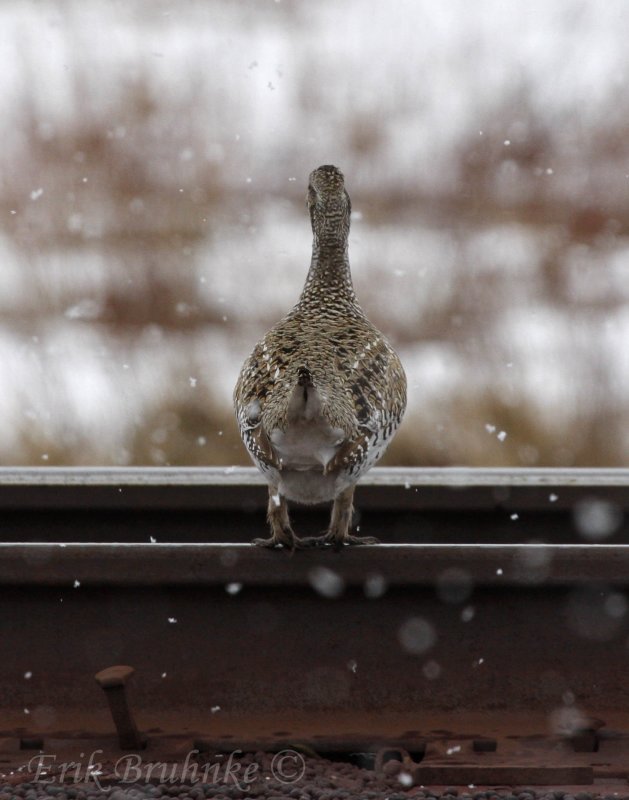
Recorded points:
(315, 542)
(360, 540)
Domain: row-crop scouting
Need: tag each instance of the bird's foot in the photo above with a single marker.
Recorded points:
(313, 542)
(331, 539)
(284, 538)
(270, 542)
(358, 540)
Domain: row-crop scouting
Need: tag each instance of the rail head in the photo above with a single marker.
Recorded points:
(238, 487)
(250, 476)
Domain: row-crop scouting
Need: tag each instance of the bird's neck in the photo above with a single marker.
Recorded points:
(329, 269)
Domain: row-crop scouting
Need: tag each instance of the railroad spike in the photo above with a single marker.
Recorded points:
(113, 681)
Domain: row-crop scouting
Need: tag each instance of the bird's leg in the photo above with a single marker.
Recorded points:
(342, 510)
(338, 533)
(277, 516)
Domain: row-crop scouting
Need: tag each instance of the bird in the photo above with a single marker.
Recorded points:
(323, 392)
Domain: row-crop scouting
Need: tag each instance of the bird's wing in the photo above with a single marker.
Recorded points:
(250, 396)
(378, 394)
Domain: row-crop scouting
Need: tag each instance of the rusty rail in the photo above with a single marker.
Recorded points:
(475, 663)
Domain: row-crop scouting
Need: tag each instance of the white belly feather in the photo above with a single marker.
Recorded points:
(305, 448)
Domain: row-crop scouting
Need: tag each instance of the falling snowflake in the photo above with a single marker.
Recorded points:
(417, 635)
(326, 582)
(468, 614)
(431, 670)
(405, 778)
(375, 585)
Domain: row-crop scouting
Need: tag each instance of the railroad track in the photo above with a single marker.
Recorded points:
(484, 642)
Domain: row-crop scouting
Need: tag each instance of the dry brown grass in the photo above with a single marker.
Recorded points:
(113, 179)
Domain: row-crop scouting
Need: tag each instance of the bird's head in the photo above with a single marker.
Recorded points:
(329, 204)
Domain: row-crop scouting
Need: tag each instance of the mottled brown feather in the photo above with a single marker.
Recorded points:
(327, 336)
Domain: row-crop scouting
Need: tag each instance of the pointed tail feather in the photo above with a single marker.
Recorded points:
(304, 377)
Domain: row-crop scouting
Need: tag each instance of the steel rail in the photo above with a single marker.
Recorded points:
(456, 478)
(124, 564)
(419, 476)
(227, 505)
(489, 639)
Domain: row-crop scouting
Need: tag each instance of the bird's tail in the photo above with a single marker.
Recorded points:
(304, 377)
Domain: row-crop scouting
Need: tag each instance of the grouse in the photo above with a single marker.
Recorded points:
(322, 394)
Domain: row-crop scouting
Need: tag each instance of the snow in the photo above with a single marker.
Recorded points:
(468, 614)
(375, 585)
(567, 720)
(326, 582)
(597, 520)
(405, 778)
(454, 585)
(616, 605)
(431, 670)
(417, 635)
(87, 308)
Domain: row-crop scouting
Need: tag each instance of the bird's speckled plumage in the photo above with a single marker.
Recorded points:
(323, 392)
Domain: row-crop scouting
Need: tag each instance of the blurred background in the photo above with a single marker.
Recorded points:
(153, 176)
